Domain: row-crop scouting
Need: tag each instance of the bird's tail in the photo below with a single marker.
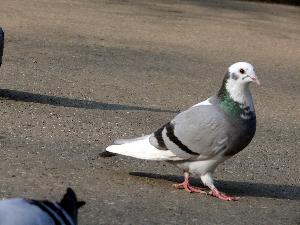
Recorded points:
(106, 154)
(70, 203)
(139, 148)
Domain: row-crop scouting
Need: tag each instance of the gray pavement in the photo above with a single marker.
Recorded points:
(79, 74)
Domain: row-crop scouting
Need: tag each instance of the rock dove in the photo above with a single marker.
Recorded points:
(20, 211)
(1, 44)
(203, 136)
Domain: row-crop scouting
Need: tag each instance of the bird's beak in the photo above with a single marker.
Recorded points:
(255, 80)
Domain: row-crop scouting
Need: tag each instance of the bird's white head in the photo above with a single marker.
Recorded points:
(236, 83)
(242, 73)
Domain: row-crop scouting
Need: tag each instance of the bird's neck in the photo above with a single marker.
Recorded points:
(236, 100)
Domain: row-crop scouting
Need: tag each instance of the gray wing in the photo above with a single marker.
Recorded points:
(199, 132)
(1, 44)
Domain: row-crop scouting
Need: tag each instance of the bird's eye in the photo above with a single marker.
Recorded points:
(242, 71)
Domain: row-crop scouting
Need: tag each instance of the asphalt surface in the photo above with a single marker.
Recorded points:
(79, 74)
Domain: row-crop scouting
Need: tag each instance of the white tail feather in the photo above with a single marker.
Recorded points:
(142, 149)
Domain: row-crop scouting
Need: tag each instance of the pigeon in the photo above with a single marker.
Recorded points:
(199, 139)
(20, 211)
(1, 44)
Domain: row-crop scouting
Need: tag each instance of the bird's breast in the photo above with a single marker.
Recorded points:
(240, 136)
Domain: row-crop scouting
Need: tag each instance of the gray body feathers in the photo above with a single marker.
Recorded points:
(200, 133)
(205, 131)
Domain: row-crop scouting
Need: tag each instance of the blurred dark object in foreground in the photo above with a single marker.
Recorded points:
(1, 44)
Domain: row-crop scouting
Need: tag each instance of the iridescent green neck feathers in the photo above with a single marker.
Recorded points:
(235, 109)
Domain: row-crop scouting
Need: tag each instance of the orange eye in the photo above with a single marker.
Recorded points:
(242, 71)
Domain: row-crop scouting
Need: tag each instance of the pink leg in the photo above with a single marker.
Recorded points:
(187, 187)
(216, 193)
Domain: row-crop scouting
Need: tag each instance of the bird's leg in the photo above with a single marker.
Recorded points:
(208, 181)
(187, 187)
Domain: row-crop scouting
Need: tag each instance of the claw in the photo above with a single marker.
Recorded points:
(216, 193)
(188, 188)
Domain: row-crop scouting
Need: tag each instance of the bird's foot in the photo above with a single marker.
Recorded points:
(188, 188)
(216, 193)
